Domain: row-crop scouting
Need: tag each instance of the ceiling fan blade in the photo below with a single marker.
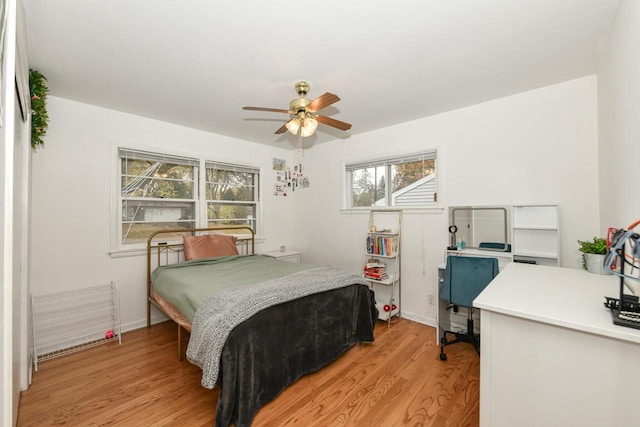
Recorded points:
(274, 110)
(333, 122)
(281, 129)
(323, 101)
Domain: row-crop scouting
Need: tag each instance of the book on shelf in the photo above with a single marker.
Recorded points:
(381, 245)
(376, 276)
(374, 269)
(374, 263)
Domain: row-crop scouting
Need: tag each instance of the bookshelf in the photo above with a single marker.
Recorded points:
(381, 266)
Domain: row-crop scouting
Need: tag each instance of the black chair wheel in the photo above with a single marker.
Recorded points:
(443, 357)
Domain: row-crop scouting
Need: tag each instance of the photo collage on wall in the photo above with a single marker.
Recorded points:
(288, 179)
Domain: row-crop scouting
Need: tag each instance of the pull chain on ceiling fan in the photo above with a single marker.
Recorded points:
(305, 120)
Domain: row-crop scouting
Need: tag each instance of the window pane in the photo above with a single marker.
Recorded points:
(413, 183)
(230, 185)
(407, 180)
(218, 191)
(217, 211)
(156, 211)
(140, 218)
(133, 232)
(230, 177)
(142, 178)
(235, 195)
(404, 174)
(368, 187)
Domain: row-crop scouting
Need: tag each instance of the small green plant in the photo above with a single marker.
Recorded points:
(596, 246)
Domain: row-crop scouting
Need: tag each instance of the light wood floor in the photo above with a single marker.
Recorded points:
(398, 380)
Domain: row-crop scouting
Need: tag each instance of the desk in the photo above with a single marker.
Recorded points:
(550, 353)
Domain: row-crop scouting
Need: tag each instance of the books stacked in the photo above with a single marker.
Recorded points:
(374, 269)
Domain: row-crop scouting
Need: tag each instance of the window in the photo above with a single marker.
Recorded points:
(232, 194)
(158, 191)
(393, 181)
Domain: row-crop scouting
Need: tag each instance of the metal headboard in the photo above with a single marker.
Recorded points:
(165, 252)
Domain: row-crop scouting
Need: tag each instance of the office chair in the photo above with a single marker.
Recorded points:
(464, 279)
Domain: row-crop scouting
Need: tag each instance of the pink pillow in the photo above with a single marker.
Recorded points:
(209, 245)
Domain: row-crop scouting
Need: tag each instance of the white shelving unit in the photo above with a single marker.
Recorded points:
(70, 321)
(383, 246)
(536, 234)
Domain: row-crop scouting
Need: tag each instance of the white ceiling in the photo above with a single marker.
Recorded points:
(197, 62)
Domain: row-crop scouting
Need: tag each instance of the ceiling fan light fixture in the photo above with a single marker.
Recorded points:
(293, 125)
(309, 126)
(303, 121)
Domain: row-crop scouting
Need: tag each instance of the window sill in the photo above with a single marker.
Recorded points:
(123, 253)
(406, 210)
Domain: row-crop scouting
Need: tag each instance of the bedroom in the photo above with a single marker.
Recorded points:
(571, 141)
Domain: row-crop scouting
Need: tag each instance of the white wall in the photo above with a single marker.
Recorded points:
(534, 147)
(619, 122)
(71, 197)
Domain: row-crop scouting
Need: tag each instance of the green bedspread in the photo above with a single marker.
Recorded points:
(187, 284)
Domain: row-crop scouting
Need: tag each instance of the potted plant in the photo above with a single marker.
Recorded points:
(593, 252)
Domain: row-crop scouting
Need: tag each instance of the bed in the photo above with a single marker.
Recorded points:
(256, 323)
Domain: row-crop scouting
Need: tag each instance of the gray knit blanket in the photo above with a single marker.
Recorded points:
(224, 310)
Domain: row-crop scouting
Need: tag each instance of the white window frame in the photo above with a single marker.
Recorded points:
(119, 249)
(388, 162)
(253, 220)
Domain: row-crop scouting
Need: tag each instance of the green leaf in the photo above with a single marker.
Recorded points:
(39, 118)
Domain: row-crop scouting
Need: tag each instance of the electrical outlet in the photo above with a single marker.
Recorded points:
(430, 299)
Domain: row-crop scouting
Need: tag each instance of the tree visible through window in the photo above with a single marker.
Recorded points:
(232, 195)
(402, 181)
(368, 186)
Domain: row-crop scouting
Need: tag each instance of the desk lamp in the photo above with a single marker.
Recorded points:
(452, 230)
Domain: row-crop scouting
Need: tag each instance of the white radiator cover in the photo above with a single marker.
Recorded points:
(71, 321)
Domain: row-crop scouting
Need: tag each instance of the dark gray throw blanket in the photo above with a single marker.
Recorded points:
(256, 341)
(227, 308)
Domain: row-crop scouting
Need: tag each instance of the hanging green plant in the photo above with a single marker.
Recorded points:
(39, 117)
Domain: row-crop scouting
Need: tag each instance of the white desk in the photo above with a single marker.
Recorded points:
(550, 353)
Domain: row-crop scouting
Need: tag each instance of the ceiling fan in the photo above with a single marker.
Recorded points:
(305, 120)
